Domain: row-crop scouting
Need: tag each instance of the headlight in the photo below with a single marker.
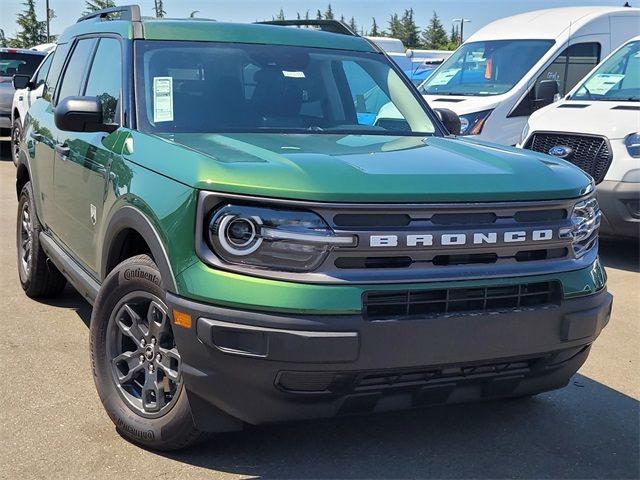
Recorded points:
(632, 142)
(472, 123)
(286, 240)
(585, 220)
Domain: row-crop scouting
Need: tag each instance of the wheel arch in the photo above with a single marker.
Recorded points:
(127, 227)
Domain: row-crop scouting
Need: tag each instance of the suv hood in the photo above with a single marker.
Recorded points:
(613, 120)
(359, 168)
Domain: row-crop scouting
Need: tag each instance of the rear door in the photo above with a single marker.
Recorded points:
(82, 160)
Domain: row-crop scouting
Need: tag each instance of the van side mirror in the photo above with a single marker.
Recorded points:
(21, 81)
(546, 92)
(450, 120)
(81, 114)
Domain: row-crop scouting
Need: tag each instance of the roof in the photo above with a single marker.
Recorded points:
(212, 31)
(546, 24)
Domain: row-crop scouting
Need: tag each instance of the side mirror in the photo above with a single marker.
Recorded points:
(450, 119)
(21, 81)
(546, 93)
(81, 114)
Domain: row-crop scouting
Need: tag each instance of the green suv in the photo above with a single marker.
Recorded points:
(271, 225)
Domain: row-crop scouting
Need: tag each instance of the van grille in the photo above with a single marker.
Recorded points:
(454, 301)
(592, 154)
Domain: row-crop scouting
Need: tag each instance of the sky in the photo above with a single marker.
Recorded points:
(480, 12)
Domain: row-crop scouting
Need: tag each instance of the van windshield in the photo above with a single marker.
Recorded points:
(617, 79)
(202, 87)
(485, 68)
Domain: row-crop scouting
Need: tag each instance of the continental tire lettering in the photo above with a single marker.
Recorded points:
(133, 273)
(135, 432)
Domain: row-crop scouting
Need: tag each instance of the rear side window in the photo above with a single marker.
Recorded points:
(572, 65)
(42, 72)
(59, 56)
(18, 63)
(105, 79)
(74, 74)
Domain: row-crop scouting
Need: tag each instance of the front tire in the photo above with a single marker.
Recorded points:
(16, 138)
(136, 364)
(38, 276)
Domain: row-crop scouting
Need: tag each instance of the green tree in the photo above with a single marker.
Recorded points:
(319, 15)
(31, 31)
(410, 31)
(280, 15)
(159, 9)
(395, 26)
(3, 40)
(435, 36)
(328, 14)
(352, 25)
(374, 29)
(95, 5)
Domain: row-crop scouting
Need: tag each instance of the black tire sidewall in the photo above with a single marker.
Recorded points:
(26, 196)
(161, 432)
(17, 125)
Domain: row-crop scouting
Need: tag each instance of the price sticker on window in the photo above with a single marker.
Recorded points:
(162, 99)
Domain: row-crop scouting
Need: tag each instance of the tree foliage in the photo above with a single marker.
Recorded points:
(158, 9)
(31, 31)
(328, 14)
(435, 36)
(95, 5)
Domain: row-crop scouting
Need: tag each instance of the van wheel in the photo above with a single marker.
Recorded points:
(38, 277)
(16, 138)
(136, 365)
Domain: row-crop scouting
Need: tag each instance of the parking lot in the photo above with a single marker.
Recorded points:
(53, 426)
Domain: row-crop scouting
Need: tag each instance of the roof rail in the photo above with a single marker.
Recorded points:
(333, 26)
(127, 12)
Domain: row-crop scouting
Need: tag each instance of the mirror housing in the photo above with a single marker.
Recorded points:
(546, 93)
(450, 119)
(21, 81)
(81, 114)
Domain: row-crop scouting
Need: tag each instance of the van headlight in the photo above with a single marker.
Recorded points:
(285, 240)
(472, 123)
(585, 220)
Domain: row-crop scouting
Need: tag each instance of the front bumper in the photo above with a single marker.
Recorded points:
(260, 368)
(620, 205)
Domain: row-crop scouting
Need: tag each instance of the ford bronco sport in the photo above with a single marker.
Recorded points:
(260, 244)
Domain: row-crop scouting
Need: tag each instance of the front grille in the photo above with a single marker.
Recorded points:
(456, 301)
(591, 154)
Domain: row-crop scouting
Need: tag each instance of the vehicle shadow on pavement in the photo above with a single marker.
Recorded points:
(72, 300)
(585, 430)
(620, 254)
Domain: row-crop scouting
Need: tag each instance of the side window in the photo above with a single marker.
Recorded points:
(59, 56)
(42, 72)
(74, 74)
(572, 65)
(105, 79)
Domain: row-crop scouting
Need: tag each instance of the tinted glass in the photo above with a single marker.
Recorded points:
(618, 78)
(59, 57)
(214, 87)
(105, 78)
(74, 74)
(572, 64)
(486, 68)
(18, 63)
(42, 72)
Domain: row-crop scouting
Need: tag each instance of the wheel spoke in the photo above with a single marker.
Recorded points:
(170, 363)
(134, 365)
(157, 320)
(152, 392)
(136, 331)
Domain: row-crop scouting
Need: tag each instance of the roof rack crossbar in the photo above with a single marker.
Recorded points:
(333, 26)
(127, 12)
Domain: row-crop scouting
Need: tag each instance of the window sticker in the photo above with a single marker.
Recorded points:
(601, 84)
(444, 77)
(162, 99)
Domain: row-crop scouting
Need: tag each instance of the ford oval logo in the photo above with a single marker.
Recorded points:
(561, 151)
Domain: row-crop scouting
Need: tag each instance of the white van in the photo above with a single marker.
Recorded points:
(496, 79)
(597, 127)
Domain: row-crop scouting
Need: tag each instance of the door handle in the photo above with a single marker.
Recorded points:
(36, 136)
(62, 150)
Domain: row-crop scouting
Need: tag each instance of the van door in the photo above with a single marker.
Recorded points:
(83, 159)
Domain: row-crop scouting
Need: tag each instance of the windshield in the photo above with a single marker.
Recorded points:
(485, 68)
(617, 79)
(18, 63)
(217, 87)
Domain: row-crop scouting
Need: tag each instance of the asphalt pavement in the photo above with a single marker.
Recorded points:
(52, 424)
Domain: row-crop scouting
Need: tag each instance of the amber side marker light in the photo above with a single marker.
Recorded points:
(181, 319)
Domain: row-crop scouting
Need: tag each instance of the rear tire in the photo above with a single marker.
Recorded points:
(136, 364)
(16, 138)
(38, 276)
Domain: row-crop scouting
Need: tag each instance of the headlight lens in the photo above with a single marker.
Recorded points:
(285, 240)
(632, 142)
(472, 123)
(585, 220)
